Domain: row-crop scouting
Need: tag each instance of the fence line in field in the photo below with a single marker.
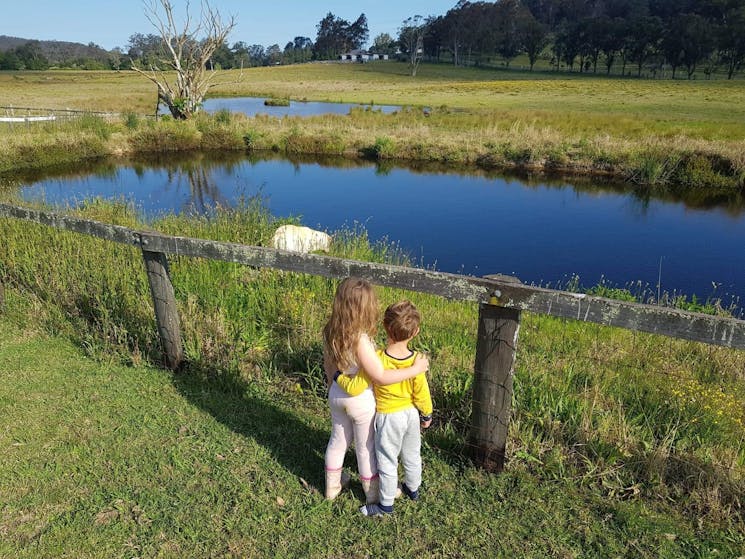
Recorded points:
(501, 300)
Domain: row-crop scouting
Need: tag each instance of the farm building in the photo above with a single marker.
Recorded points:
(361, 56)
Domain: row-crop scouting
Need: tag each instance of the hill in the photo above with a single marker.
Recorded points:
(58, 52)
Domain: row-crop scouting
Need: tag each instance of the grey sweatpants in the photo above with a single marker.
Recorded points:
(398, 434)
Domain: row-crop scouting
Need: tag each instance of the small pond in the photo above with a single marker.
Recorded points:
(543, 231)
(255, 105)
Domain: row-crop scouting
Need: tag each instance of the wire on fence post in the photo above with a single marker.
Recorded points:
(492, 385)
(164, 302)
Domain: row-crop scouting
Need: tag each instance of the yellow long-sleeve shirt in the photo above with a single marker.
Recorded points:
(394, 397)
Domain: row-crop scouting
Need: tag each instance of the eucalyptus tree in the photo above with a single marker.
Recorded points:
(411, 40)
(534, 39)
(383, 44)
(730, 34)
(187, 51)
(336, 35)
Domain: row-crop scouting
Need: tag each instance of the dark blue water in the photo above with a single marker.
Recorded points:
(255, 105)
(543, 232)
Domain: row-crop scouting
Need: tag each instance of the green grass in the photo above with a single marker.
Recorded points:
(622, 444)
(110, 461)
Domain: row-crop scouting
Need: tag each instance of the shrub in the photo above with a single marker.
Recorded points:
(167, 135)
(275, 102)
(131, 120)
(383, 148)
(697, 171)
(297, 142)
(223, 116)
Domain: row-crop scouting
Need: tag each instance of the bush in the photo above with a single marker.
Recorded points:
(166, 135)
(698, 171)
(131, 120)
(274, 102)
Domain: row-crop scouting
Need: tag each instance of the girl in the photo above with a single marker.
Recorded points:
(348, 349)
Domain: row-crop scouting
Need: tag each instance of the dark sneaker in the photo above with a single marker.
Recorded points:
(413, 495)
(376, 510)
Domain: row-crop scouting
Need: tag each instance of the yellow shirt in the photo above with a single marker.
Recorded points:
(394, 397)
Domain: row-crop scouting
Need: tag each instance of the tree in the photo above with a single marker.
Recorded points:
(384, 44)
(256, 55)
(10, 61)
(31, 56)
(303, 49)
(456, 28)
(221, 59)
(274, 54)
(686, 42)
(336, 35)
(511, 18)
(357, 33)
(146, 49)
(331, 39)
(643, 37)
(535, 38)
(411, 40)
(186, 54)
(731, 39)
(567, 44)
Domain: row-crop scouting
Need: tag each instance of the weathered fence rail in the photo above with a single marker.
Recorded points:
(501, 301)
(13, 114)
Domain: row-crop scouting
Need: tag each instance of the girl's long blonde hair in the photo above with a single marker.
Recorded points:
(354, 312)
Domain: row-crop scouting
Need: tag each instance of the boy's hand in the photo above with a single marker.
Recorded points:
(426, 424)
(422, 361)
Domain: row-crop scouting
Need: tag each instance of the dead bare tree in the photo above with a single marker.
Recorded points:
(411, 38)
(186, 52)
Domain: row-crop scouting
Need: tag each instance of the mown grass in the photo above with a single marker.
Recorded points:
(622, 444)
(658, 133)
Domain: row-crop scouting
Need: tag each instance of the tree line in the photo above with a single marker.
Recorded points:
(334, 36)
(22, 54)
(580, 35)
(620, 36)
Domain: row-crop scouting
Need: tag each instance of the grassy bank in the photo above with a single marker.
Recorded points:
(660, 134)
(622, 444)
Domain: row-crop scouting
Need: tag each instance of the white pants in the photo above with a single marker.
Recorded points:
(352, 419)
(398, 434)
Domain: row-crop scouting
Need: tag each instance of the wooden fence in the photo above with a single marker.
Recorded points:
(12, 114)
(501, 300)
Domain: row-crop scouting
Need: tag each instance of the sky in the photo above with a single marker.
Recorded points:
(260, 22)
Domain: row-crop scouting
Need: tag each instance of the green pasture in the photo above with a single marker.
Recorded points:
(622, 444)
(661, 135)
(707, 109)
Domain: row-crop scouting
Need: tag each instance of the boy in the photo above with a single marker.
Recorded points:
(402, 408)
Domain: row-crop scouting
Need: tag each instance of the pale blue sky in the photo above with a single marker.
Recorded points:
(110, 24)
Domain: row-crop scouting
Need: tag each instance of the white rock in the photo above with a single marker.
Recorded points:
(296, 238)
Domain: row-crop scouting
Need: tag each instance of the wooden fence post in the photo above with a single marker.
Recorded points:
(492, 384)
(164, 301)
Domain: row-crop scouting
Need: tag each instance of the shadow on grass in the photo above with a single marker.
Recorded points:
(246, 409)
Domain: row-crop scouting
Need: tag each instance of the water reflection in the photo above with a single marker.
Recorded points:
(182, 167)
(256, 105)
(540, 228)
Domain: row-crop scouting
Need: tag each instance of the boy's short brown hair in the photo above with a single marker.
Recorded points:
(401, 321)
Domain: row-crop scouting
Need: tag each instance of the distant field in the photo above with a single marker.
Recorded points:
(664, 134)
(711, 110)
